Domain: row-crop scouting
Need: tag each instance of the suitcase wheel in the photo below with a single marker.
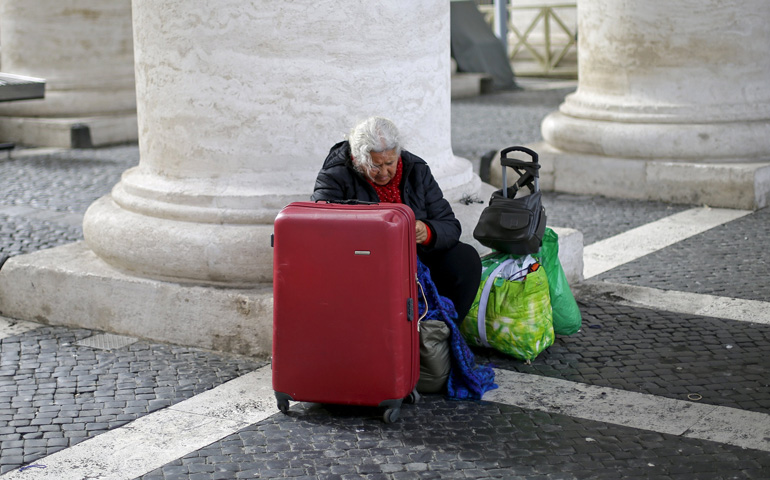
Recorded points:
(413, 398)
(283, 401)
(391, 415)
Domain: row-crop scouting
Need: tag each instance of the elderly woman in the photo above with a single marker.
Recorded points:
(371, 166)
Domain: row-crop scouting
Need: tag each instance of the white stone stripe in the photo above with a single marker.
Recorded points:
(159, 438)
(678, 302)
(636, 410)
(10, 327)
(609, 253)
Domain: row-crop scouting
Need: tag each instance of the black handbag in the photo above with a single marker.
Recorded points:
(509, 224)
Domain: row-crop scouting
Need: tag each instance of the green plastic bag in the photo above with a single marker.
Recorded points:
(566, 313)
(513, 317)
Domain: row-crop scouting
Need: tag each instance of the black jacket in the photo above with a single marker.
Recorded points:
(339, 180)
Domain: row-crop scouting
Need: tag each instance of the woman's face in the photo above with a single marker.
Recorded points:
(385, 165)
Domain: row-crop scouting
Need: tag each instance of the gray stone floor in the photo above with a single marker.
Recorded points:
(448, 439)
(57, 390)
(660, 353)
(730, 260)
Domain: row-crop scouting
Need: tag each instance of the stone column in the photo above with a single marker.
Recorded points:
(83, 49)
(673, 103)
(238, 106)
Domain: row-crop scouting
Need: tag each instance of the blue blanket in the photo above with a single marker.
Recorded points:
(467, 380)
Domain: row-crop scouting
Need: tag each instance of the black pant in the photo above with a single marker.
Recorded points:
(456, 273)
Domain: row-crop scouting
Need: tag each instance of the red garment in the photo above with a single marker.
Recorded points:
(390, 192)
(429, 237)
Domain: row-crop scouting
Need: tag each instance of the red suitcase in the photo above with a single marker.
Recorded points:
(345, 305)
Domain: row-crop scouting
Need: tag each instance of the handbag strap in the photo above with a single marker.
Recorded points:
(484, 299)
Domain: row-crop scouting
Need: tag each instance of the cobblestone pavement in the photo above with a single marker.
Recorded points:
(729, 260)
(44, 195)
(57, 389)
(55, 392)
(449, 439)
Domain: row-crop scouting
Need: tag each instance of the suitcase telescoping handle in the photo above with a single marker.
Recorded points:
(528, 171)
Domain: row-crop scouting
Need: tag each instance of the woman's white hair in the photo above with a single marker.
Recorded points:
(375, 134)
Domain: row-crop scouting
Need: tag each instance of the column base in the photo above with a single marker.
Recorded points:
(71, 286)
(173, 249)
(743, 186)
(456, 177)
(74, 132)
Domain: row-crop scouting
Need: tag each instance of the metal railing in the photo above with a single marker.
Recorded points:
(548, 38)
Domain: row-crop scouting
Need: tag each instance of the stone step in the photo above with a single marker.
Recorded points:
(466, 85)
(69, 285)
(77, 132)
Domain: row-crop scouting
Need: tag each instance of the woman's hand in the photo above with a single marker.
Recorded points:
(422, 232)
